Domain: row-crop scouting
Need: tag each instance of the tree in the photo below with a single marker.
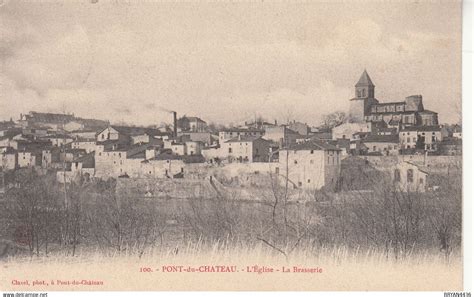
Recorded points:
(34, 210)
(334, 119)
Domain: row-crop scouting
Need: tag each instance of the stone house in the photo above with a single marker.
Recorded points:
(310, 165)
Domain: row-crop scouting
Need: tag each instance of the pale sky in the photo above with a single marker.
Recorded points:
(132, 60)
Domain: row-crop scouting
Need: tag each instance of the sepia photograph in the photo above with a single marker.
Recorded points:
(231, 146)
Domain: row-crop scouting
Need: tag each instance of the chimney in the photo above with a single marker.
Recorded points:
(175, 124)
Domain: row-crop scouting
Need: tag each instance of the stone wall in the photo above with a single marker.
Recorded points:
(435, 163)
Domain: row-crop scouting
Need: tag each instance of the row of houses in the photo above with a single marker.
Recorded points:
(310, 158)
(376, 139)
(117, 151)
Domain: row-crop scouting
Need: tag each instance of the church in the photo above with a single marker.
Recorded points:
(364, 107)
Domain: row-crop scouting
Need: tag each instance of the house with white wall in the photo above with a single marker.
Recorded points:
(230, 133)
(420, 137)
(409, 177)
(245, 149)
(347, 130)
(310, 165)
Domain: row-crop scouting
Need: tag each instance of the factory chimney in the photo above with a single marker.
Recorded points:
(175, 124)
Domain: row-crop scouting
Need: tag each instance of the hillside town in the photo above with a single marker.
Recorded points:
(402, 139)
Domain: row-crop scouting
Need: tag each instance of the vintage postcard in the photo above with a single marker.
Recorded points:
(257, 145)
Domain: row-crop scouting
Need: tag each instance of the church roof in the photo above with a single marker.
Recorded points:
(365, 80)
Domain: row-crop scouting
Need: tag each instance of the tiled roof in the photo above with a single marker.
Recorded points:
(88, 160)
(451, 141)
(392, 130)
(164, 156)
(137, 155)
(197, 119)
(57, 136)
(128, 130)
(381, 138)
(421, 128)
(389, 103)
(394, 122)
(49, 117)
(313, 145)
(242, 130)
(194, 159)
(244, 138)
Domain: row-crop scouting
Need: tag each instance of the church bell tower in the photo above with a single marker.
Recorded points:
(364, 87)
(364, 98)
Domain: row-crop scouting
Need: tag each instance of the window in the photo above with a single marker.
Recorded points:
(230, 150)
(421, 181)
(300, 184)
(410, 175)
(312, 152)
(374, 148)
(277, 170)
(396, 175)
(296, 162)
(309, 181)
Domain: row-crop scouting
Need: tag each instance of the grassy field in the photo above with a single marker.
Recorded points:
(336, 269)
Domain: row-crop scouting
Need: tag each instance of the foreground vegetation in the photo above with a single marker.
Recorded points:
(43, 217)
